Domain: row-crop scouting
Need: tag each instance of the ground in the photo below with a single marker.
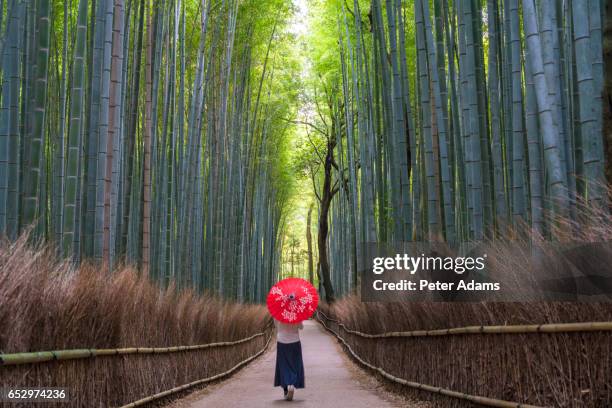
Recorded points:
(332, 381)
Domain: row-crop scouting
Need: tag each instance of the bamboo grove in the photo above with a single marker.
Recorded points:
(149, 132)
(166, 133)
(458, 121)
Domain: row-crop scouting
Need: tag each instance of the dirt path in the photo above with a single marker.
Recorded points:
(332, 380)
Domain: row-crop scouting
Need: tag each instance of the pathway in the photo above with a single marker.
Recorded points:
(332, 380)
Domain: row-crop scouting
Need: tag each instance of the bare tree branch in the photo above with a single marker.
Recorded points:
(315, 148)
(348, 9)
(313, 174)
(312, 125)
(319, 110)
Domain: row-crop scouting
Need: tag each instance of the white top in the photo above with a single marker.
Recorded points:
(287, 333)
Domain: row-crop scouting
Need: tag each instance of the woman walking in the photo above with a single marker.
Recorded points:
(289, 364)
(290, 302)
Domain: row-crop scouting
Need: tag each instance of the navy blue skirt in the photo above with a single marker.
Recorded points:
(289, 365)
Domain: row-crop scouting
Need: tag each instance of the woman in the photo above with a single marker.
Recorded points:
(289, 365)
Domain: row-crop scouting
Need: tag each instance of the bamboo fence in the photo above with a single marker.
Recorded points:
(183, 387)
(44, 356)
(476, 399)
(500, 329)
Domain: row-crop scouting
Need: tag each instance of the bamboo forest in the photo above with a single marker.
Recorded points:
(196, 139)
(166, 164)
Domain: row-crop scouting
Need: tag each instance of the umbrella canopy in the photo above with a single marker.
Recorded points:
(292, 300)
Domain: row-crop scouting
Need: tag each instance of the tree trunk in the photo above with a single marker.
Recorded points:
(309, 242)
(326, 198)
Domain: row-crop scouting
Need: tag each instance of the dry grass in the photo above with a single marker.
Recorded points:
(557, 369)
(49, 305)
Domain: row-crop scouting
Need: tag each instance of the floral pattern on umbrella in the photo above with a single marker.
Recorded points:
(292, 300)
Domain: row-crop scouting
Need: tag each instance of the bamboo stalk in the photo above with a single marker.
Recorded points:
(44, 356)
(505, 329)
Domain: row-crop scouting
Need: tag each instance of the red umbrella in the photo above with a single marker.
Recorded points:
(292, 300)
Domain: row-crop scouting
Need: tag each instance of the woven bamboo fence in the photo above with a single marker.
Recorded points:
(513, 329)
(184, 337)
(60, 355)
(146, 373)
(523, 365)
(154, 397)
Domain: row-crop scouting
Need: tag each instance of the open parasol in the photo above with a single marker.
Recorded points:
(292, 300)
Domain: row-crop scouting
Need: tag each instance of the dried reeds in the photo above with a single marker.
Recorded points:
(548, 357)
(570, 369)
(50, 305)
(490, 402)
